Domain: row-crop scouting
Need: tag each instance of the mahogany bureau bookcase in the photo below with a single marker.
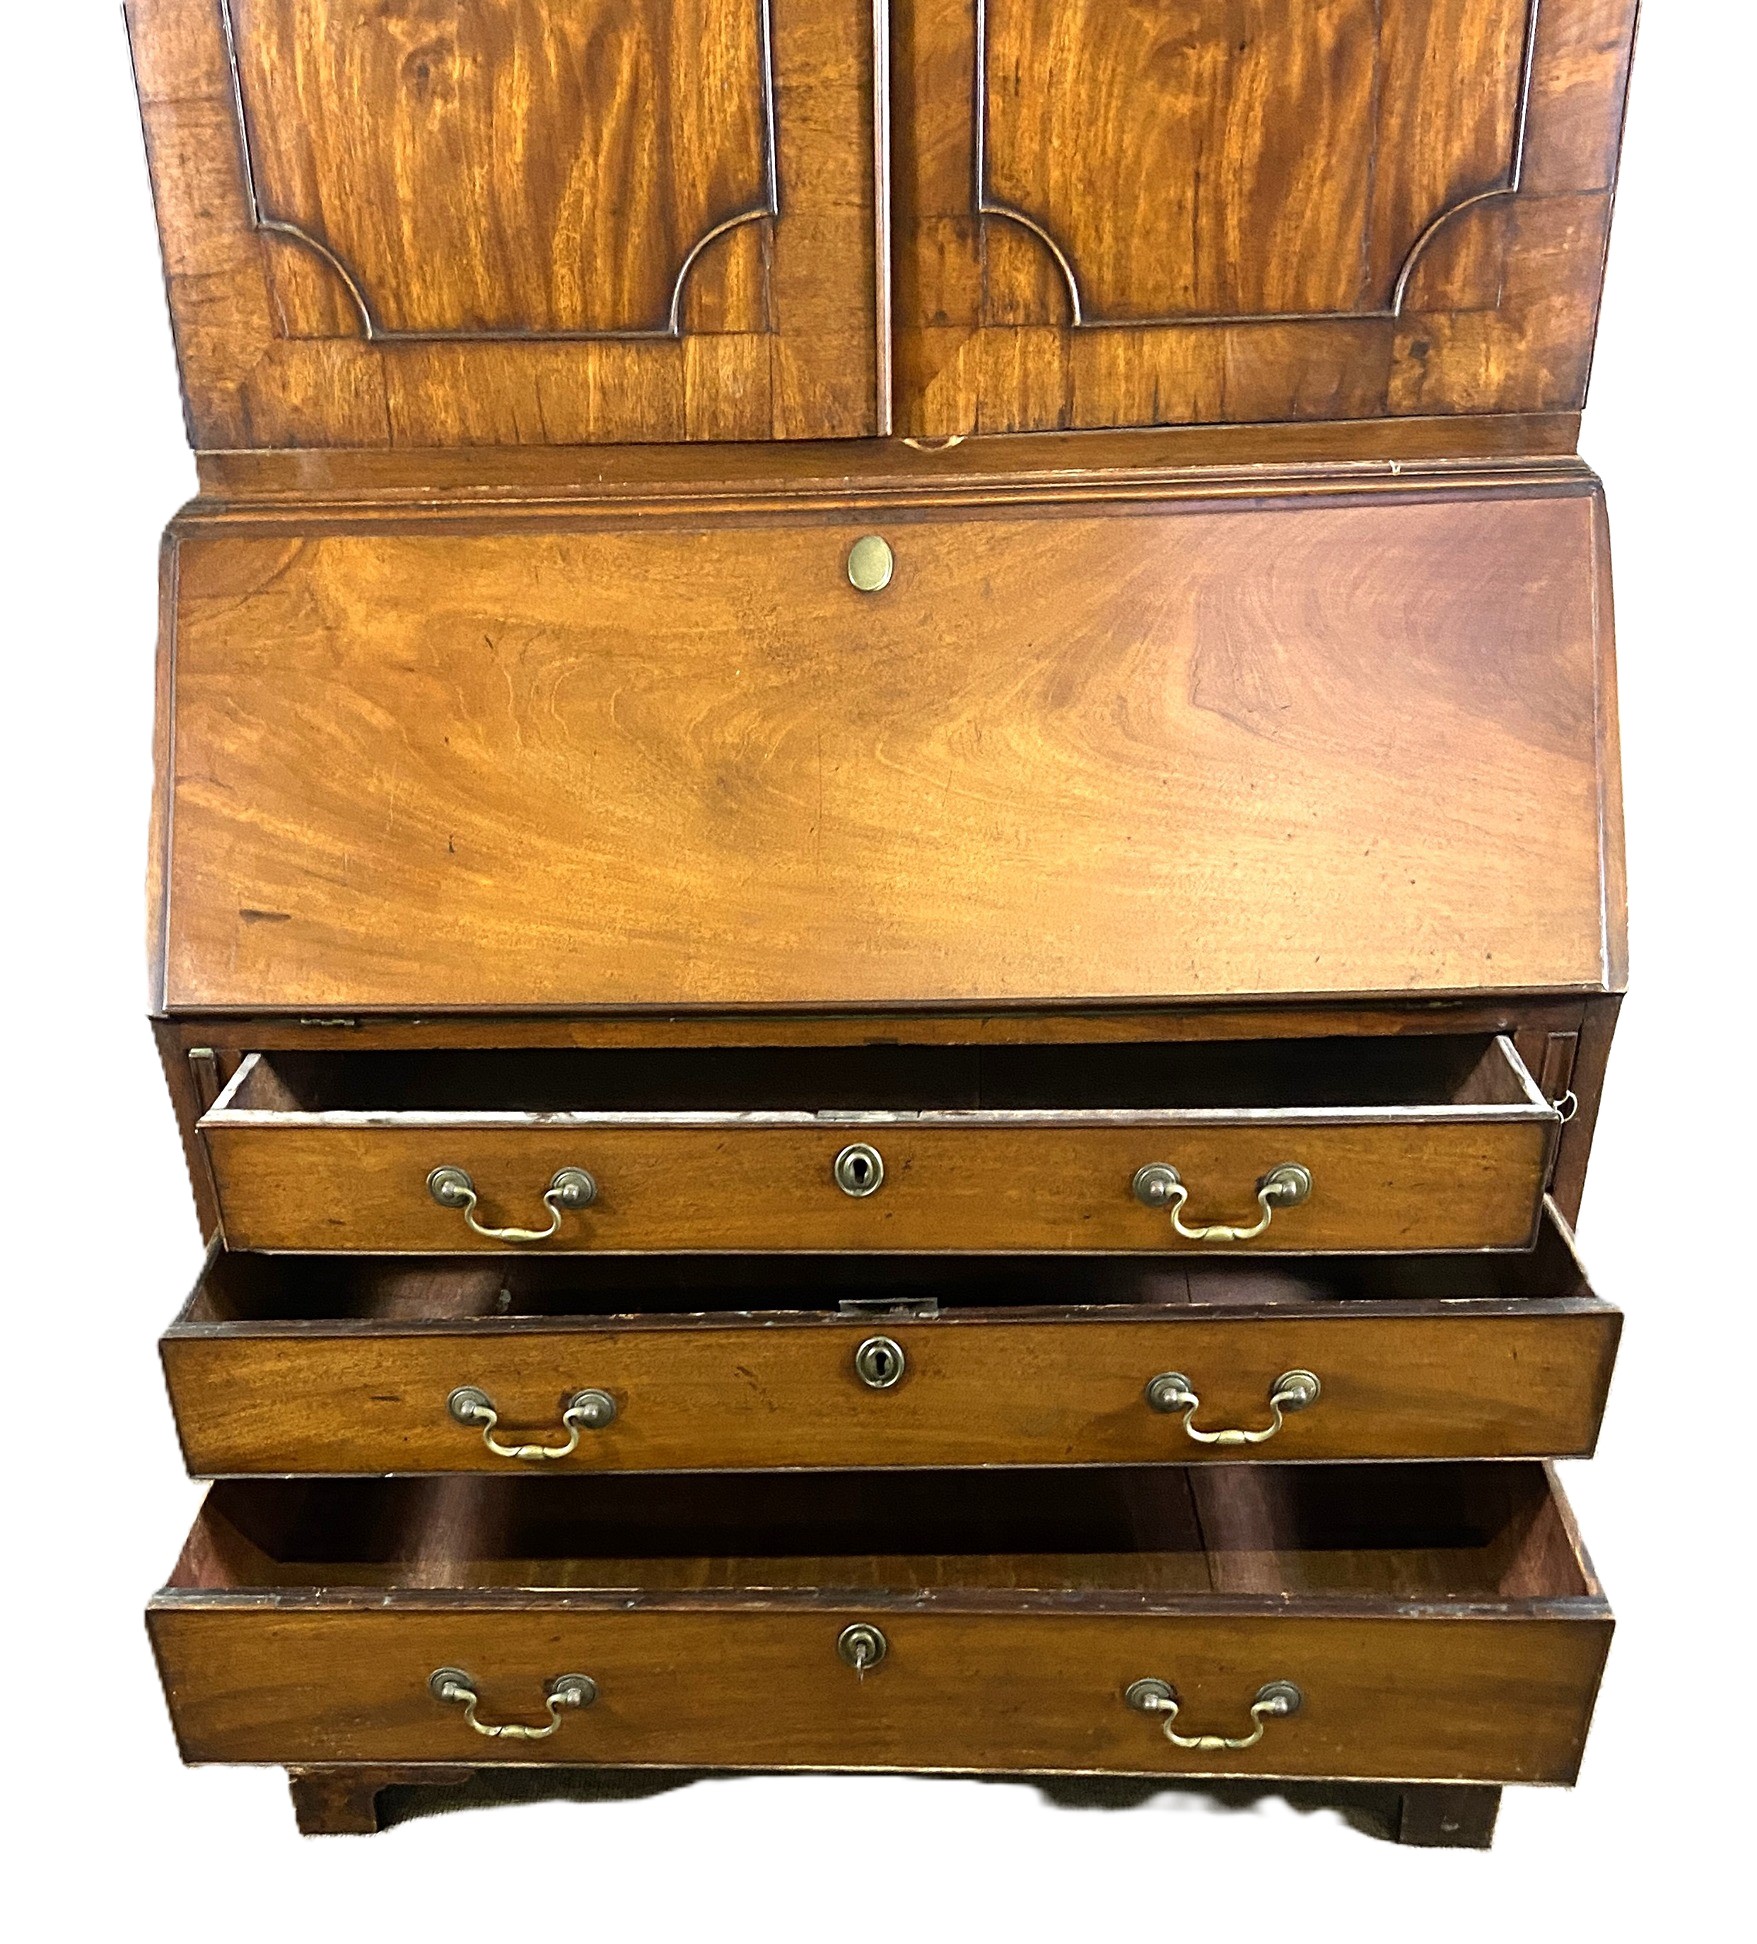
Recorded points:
(887, 897)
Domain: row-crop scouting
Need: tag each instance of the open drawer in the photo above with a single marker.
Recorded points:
(1421, 1142)
(372, 1364)
(1408, 1622)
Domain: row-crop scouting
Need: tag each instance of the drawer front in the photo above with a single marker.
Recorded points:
(1403, 1180)
(1501, 1699)
(1474, 1380)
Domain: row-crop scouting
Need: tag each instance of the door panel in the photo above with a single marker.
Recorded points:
(1101, 125)
(512, 168)
(1193, 211)
(521, 221)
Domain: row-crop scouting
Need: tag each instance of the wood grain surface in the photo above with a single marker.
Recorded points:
(1461, 1641)
(1446, 1378)
(1166, 462)
(450, 228)
(1249, 160)
(1503, 1699)
(1325, 748)
(375, 227)
(511, 167)
(1396, 1182)
(1277, 717)
(1538, 1026)
(1116, 215)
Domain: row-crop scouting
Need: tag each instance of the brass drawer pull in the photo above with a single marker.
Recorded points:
(1275, 1701)
(586, 1410)
(458, 1689)
(1293, 1390)
(1158, 1185)
(571, 1188)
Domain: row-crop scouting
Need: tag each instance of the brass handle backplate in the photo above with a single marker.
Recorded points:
(571, 1188)
(1292, 1391)
(1158, 1185)
(1275, 1701)
(585, 1410)
(458, 1689)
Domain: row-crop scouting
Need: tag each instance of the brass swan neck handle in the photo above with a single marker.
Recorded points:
(457, 1689)
(1293, 1390)
(1159, 1185)
(585, 1410)
(1274, 1701)
(452, 1187)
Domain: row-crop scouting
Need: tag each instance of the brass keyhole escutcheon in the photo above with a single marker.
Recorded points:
(871, 564)
(862, 1646)
(879, 1363)
(860, 1170)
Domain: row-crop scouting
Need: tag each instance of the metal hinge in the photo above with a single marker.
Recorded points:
(889, 1306)
(856, 1114)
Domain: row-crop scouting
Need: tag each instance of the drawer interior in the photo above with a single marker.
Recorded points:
(256, 1289)
(1434, 1071)
(1448, 1532)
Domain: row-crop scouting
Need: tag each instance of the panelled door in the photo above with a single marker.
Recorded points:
(458, 222)
(1129, 212)
(453, 222)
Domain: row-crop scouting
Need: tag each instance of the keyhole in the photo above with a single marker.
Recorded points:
(861, 1646)
(859, 1170)
(879, 1362)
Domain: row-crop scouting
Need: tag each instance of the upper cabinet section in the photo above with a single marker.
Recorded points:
(1132, 212)
(427, 223)
(441, 222)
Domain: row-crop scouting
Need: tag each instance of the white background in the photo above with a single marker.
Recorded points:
(100, 1241)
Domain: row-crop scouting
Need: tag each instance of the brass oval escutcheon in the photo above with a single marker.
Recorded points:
(860, 1170)
(871, 564)
(879, 1363)
(862, 1646)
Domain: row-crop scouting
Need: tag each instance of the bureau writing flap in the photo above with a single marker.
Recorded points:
(1319, 746)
